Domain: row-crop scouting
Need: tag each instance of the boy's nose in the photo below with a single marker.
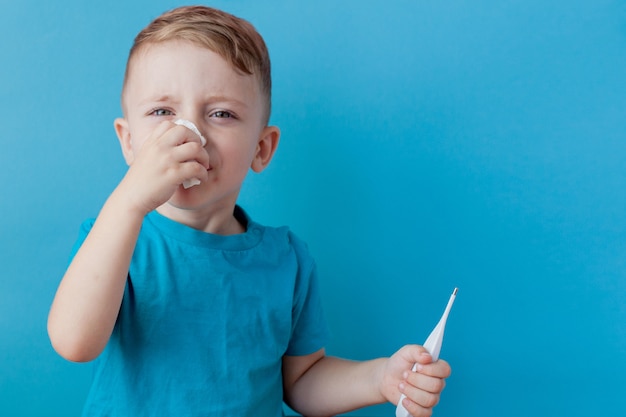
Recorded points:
(191, 126)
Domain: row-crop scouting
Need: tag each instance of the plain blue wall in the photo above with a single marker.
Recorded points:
(426, 145)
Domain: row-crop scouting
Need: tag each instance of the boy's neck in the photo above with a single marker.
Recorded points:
(219, 222)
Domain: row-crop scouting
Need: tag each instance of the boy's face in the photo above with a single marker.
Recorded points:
(179, 80)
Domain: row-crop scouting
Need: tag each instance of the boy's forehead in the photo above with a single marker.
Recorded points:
(151, 57)
(154, 64)
(170, 48)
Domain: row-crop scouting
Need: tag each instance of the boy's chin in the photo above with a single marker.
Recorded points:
(202, 197)
(187, 198)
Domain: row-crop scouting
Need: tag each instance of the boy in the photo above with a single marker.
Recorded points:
(190, 306)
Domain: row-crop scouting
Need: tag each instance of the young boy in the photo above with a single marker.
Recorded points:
(190, 306)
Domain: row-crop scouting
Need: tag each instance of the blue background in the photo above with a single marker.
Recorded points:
(425, 145)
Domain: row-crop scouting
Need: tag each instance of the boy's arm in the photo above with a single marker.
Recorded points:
(89, 297)
(320, 385)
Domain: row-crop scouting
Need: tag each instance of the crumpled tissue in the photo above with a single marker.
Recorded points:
(189, 125)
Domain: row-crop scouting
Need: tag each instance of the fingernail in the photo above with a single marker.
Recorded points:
(419, 367)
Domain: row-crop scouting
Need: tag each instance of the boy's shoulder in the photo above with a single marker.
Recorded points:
(281, 236)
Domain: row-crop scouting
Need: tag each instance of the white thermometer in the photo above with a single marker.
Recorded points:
(433, 346)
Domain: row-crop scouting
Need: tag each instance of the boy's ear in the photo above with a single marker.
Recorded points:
(123, 134)
(268, 142)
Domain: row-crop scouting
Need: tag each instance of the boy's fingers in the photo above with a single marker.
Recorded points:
(161, 129)
(172, 134)
(417, 354)
(192, 170)
(184, 135)
(422, 400)
(193, 152)
(438, 369)
(424, 357)
(426, 383)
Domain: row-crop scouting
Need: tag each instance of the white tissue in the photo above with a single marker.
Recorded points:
(189, 125)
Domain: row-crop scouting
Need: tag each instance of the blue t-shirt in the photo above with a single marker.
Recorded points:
(205, 321)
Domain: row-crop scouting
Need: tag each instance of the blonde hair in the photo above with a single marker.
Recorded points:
(233, 38)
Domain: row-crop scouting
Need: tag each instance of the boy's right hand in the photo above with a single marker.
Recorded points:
(170, 155)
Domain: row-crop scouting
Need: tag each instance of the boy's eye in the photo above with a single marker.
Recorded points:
(161, 112)
(222, 114)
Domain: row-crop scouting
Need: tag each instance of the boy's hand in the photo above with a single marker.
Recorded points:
(171, 155)
(422, 388)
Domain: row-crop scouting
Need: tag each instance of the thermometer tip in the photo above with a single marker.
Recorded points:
(455, 291)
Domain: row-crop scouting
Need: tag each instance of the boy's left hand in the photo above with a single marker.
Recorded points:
(422, 387)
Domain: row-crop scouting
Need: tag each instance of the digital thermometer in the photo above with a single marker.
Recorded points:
(433, 346)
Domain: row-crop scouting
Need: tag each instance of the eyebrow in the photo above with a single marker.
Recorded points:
(218, 98)
(157, 99)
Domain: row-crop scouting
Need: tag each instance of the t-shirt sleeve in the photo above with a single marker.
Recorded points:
(309, 331)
